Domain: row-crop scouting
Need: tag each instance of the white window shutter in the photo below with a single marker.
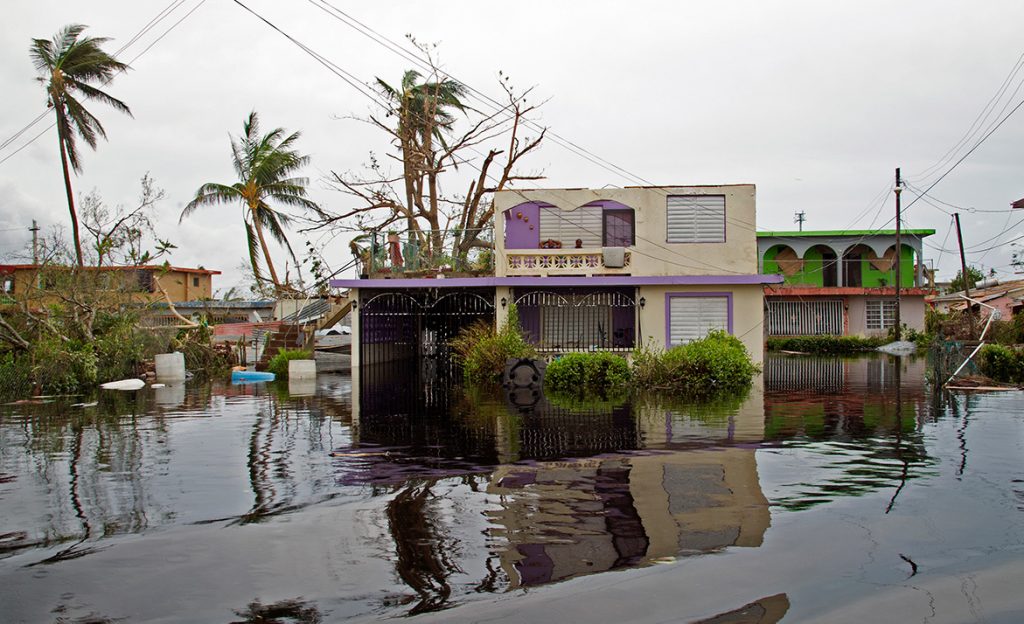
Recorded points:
(696, 219)
(692, 318)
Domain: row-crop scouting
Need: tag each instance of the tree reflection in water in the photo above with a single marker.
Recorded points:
(293, 611)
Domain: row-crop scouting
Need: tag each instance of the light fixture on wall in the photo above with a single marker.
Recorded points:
(355, 304)
(504, 302)
(643, 302)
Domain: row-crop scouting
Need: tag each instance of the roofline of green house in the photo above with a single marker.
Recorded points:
(810, 233)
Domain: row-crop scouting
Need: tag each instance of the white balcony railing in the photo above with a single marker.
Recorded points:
(562, 262)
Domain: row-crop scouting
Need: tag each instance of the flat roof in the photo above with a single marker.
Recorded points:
(7, 268)
(812, 233)
(563, 281)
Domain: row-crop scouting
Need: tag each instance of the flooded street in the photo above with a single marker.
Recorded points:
(835, 491)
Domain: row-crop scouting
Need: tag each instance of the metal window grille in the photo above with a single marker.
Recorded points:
(805, 318)
(881, 313)
(578, 321)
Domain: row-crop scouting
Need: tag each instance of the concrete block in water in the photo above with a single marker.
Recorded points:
(170, 366)
(302, 369)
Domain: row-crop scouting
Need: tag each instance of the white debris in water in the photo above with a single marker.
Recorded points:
(900, 347)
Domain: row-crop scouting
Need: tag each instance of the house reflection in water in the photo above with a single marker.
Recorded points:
(563, 491)
(560, 519)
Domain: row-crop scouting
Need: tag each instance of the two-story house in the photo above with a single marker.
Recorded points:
(843, 282)
(587, 270)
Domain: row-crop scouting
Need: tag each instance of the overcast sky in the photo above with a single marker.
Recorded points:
(814, 102)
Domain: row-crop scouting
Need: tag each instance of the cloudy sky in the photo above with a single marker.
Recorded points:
(814, 102)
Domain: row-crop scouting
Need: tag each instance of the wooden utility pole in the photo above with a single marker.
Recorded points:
(964, 275)
(799, 218)
(899, 252)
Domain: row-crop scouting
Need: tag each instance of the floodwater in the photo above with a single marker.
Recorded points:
(835, 491)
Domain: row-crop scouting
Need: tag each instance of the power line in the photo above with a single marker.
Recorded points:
(978, 122)
(152, 23)
(969, 152)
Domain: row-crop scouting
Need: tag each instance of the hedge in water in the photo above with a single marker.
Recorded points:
(595, 372)
(826, 345)
(711, 366)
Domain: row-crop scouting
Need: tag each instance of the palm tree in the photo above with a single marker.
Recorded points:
(422, 111)
(70, 66)
(264, 165)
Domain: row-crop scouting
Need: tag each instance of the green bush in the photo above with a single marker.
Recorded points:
(62, 367)
(482, 352)
(825, 345)
(598, 372)
(279, 363)
(118, 346)
(704, 368)
(15, 376)
(1002, 363)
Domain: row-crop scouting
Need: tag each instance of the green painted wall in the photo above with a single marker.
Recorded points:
(873, 278)
(812, 273)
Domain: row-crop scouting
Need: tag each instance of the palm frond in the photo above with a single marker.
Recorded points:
(254, 256)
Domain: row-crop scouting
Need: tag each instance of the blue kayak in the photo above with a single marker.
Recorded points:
(241, 377)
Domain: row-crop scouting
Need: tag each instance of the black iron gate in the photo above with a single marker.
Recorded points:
(404, 337)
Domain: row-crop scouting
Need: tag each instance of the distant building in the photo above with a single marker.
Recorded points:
(141, 283)
(1006, 297)
(843, 282)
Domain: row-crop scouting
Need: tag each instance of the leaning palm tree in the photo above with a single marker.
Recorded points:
(70, 65)
(264, 165)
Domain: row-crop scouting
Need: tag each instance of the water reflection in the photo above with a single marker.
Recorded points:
(459, 492)
(862, 420)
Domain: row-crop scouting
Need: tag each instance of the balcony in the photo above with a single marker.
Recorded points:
(424, 253)
(547, 262)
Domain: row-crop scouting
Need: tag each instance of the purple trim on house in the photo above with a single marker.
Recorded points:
(555, 282)
(668, 310)
(523, 232)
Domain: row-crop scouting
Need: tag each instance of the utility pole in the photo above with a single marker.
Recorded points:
(35, 242)
(899, 252)
(800, 218)
(964, 275)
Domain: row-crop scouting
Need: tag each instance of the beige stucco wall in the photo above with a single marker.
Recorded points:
(178, 284)
(911, 312)
(652, 254)
(747, 314)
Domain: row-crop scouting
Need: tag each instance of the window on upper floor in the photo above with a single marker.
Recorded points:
(195, 282)
(696, 219)
(618, 228)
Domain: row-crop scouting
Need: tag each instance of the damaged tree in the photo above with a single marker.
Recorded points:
(420, 120)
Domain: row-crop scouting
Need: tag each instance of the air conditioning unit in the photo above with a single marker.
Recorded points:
(614, 257)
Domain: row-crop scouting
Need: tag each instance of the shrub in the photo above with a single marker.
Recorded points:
(279, 363)
(482, 351)
(703, 368)
(118, 346)
(15, 376)
(825, 345)
(62, 367)
(1002, 363)
(585, 373)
